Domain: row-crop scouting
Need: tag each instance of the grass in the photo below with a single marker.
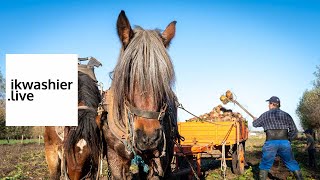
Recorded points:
(25, 141)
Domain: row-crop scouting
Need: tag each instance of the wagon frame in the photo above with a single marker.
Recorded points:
(223, 140)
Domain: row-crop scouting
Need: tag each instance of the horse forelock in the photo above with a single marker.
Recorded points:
(144, 65)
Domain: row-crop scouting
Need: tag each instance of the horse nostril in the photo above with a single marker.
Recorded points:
(157, 135)
(148, 139)
(145, 139)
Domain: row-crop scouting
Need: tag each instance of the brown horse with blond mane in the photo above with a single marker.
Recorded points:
(141, 124)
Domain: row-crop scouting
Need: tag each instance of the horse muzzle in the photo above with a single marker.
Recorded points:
(148, 141)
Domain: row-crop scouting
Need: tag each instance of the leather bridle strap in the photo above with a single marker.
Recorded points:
(146, 114)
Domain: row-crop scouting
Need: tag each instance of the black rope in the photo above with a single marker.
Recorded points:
(181, 107)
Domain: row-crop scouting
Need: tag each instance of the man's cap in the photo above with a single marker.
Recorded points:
(308, 131)
(274, 99)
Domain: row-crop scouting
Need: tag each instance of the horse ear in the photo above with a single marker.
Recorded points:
(169, 33)
(124, 29)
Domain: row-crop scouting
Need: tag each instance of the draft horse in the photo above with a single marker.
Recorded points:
(73, 152)
(141, 124)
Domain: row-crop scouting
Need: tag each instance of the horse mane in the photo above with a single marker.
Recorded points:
(87, 128)
(88, 92)
(145, 61)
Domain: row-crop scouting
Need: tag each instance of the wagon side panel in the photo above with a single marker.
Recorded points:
(205, 133)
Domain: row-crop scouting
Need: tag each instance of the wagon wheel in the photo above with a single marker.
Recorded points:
(238, 160)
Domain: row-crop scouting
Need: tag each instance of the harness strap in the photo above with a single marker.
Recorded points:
(143, 113)
(99, 111)
(87, 108)
(147, 114)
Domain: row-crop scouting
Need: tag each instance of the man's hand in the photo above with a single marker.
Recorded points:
(254, 118)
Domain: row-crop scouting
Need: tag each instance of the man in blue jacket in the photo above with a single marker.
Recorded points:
(280, 130)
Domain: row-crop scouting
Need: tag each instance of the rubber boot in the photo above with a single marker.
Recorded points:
(263, 174)
(298, 175)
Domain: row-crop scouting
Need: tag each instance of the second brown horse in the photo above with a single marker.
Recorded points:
(78, 148)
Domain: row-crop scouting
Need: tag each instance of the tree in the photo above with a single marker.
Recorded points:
(9, 131)
(316, 82)
(309, 109)
(2, 91)
(3, 128)
(2, 86)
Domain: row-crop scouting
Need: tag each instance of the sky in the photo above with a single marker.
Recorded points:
(256, 49)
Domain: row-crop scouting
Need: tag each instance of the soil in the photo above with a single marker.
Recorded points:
(23, 161)
(27, 161)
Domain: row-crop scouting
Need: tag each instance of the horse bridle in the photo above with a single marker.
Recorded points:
(147, 114)
(133, 111)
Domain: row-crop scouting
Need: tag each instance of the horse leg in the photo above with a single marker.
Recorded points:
(118, 165)
(53, 161)
(51, 145)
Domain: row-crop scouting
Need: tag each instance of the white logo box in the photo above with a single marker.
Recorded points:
(41, 90)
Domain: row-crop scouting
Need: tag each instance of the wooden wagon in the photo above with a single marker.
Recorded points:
(224, 140)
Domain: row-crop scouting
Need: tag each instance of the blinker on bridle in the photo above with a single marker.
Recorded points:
(147, 114)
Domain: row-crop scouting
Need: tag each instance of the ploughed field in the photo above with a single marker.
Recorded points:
(27, 161)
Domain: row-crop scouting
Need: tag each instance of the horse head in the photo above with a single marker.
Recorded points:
(142, 82)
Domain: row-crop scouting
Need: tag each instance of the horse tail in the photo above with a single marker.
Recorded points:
(88, 130)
